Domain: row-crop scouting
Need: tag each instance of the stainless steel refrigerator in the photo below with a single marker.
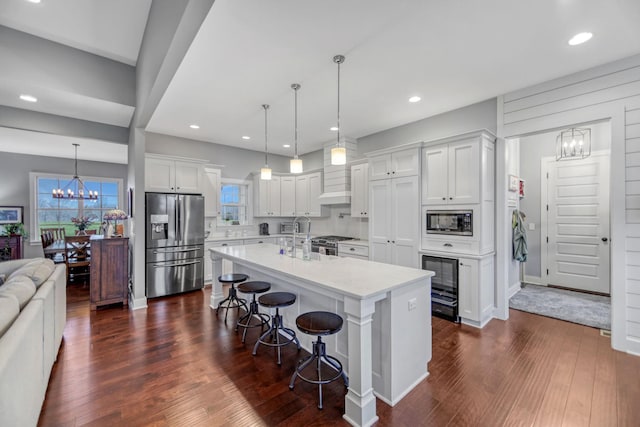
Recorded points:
(174, 242)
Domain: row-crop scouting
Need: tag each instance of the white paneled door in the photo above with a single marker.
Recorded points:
(578, 254)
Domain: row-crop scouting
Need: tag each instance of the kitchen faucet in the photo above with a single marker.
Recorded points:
(295, 232)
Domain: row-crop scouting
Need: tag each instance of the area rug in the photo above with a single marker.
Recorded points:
(576, 307)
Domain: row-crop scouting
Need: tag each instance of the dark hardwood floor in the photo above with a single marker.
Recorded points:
(175, 364)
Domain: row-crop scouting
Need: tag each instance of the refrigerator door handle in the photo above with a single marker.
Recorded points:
(182, 264)
(170, 251)
(178, 219)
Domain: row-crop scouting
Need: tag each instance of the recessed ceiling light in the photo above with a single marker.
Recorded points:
(33, 1)
(333, 128)
(194, 126)
(246, 137)
(580, 38)
(414, 99)
(287, 146)
(28, 98)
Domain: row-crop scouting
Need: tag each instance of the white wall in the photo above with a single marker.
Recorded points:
(608, 92)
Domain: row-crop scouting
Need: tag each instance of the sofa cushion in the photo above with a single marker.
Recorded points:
(9, 310)
(37, 270)
(7, 267)
(21, 287)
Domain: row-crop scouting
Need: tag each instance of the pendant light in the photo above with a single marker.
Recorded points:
(338, 153)
(76, 184)
(295, 164)
(265, 172)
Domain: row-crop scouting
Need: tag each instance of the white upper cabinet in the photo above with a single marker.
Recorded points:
(360, 191)
(288, 195)
(307, 194)
(211, 191)
(173, 176)
(267, 196)
(397, 164)
(451, 173)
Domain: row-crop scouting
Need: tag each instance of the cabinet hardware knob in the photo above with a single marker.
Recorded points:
(604, 239)
(393, 172)
(393, 241)
(224, 244)
(388, 173)
(388, 241)
(444, 198)
(352, 249)
(450, 198)
(448, 245)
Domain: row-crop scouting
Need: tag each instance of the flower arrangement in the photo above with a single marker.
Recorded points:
(115, 214)
(82, 222)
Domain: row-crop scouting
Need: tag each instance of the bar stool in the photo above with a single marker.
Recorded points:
(245, 321)
(277, 300)
(319, 323)
(232, 300)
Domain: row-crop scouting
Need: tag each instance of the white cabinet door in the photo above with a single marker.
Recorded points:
(380, 167)
(468, 303)
(360, 191)
(380, 220)
(464, 173)
(267, 196)
(434, 175)
(313, 194)
(288, 195)
(211, 192)
(159, 175)
(405, 163)
(404, 221)
(258, 240)
(188, 177)
(302, 194)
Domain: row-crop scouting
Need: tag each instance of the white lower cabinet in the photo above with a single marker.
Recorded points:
(476, 290)
(257, 241)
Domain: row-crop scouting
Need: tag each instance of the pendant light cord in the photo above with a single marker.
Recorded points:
(339, 61)
(295, 120)
(266, 107)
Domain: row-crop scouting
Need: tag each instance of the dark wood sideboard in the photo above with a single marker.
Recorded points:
(10, 247)
(109, 271)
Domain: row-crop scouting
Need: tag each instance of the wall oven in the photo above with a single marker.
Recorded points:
(458, 223)
(444, 286)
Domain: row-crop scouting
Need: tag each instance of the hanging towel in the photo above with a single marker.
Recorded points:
(519, 236)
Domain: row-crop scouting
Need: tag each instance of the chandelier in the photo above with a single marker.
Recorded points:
(573, 144)
(68, 191)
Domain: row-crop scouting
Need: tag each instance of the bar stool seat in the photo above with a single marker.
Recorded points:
(232, 301)
(319, 323)
(277, 300)
(245, 321)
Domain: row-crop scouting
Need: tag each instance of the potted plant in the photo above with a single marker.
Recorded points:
(81, 223)
(15, 229)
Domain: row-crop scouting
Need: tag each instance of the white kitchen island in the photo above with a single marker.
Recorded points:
(386, 343)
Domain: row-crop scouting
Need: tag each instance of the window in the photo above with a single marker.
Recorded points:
(234, 204)
(52, 212)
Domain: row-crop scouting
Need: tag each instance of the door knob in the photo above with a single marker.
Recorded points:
(604, 239)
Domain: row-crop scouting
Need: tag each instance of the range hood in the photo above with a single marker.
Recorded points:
(337, 179)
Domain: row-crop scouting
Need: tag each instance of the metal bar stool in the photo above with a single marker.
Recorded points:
(277, 300)
(245, 321)
(232, 301)
(319, 323)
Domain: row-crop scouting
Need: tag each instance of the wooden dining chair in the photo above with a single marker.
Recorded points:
(58, 233)
(77, 257)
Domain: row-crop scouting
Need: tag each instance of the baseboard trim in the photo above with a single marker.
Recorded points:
(534, 280)
(514, 289)
(137, 304)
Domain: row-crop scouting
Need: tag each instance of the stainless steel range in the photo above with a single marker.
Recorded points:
(327, 245)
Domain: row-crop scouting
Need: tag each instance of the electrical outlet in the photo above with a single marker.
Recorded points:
(413, 304)
(532, 226)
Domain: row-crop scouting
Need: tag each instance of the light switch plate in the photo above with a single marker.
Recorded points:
(532, 226)
(413, 304)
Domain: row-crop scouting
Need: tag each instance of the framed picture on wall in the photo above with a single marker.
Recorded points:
(11, 214)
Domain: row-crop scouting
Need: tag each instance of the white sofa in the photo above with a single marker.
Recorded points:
(33, 313)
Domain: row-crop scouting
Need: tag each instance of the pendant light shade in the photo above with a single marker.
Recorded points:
(338, 153)
(265, 172)
(295, 164)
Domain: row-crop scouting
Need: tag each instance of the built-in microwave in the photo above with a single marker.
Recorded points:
(459, 223)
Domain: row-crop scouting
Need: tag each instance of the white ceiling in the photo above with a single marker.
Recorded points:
(452, 53)
(112, 28)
